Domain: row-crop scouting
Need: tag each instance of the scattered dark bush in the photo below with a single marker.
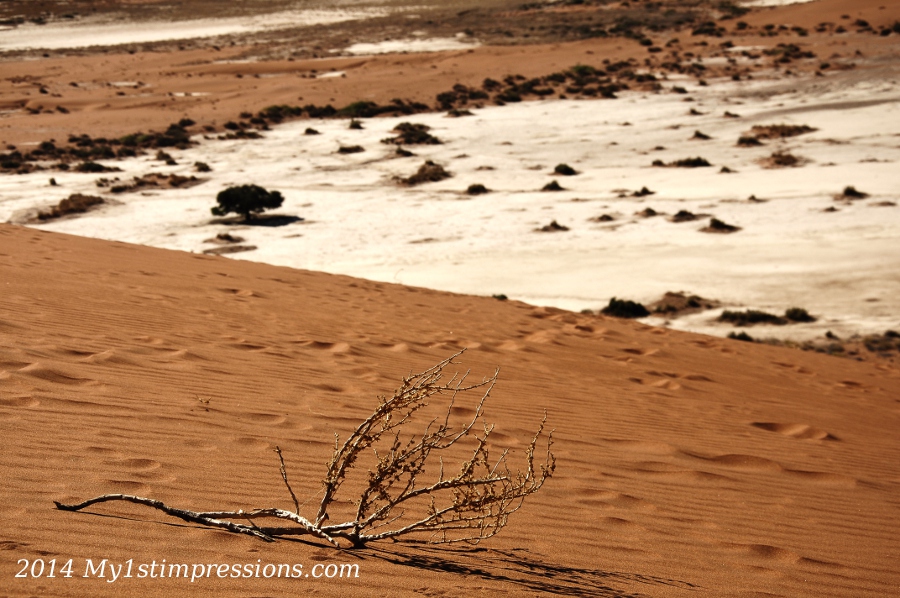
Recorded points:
(564, 170)
(477, 189)
(202, 167)
(553, 227)
(246, 200)
(552, 186)
(95, 167)
(779, 131)
(311, 131)
(412, 134)
(351, 149)
(623, 308)
(750, 317)
(852, 193)
(683, 216)
(690, 163)
(717, 226)
(429, 172)
(740, 336)
(798, 314)
(74, 204)
(748, 141)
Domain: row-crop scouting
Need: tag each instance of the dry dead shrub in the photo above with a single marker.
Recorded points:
(410, 487)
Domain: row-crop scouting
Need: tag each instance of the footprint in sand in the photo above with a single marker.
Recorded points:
(799, 431)
(135, 464)
(25, 401)
(264, 418)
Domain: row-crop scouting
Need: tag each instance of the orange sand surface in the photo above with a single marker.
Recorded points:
(687, 465)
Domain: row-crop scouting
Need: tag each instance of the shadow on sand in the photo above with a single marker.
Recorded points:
(522, 569)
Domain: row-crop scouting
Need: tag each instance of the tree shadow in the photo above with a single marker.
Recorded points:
(520, 568)
(272, 220)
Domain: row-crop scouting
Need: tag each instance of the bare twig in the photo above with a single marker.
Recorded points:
(470, 506)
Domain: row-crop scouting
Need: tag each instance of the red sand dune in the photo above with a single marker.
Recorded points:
(687, 465)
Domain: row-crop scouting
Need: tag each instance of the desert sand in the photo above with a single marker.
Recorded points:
(687, 464)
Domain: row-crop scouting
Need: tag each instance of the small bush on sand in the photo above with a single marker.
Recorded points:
(246, 200)
(552, 186)
(740, 336)
(412, 134)
(750, 317)
(748, 141)
(850, 192)
(74, 204)
(202, 167)
(553, 227)
(691, 163)
(717, 226)
(798, 314)
(477, 189)
(623, 308)
(564, 170)
(779, 131)
(351, 149)
(429, 172)
(781, 159)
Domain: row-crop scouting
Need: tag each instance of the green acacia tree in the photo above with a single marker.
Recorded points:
(246, 200)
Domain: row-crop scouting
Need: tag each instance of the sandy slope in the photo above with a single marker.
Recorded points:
(687, 465)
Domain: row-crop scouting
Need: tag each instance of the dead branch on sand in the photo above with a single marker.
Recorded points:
(397, 498)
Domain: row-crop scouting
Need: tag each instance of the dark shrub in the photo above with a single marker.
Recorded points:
(202, 167)
(74, 204)
(477, 189)
(351, 149)
(565, 170)
(852, 193)
(623, 308)
(552, 186)
(798, 314)
(740, 336)
(246, 200)
(412, 134)
(311, 131)
(429, 172)
(750, 317)
(691, 163)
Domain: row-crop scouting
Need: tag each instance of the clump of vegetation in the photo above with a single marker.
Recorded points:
(477, 189)
(798, 314)
(750, 317)
(684, 216)
(94, 167)
(74, 204)
(412, 134)
(565, 170)
(782, 159)
(246, 200)
(500, 297)
(623, 308)
(741, 336)
(355, 124)
(701, 136)
(311, 131)
(717, 226)
(429, 172)
(748, 141)
(643, 192)
(202, 167)
(697, 162)
(850, 192)
(552, 186)
(675, 304)
(351, 149)
(553, 227)
(648, 213)
(779, 131)
(691, 163)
